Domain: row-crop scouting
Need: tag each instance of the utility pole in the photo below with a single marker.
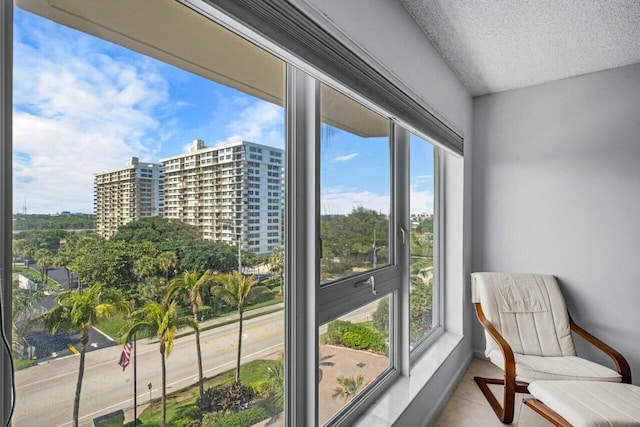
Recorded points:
(375, 258)
(239, 256)
(135, 383)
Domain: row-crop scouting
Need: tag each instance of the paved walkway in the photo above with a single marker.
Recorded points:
(234, 316)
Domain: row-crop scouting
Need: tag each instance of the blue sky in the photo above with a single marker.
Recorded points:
(83, 105)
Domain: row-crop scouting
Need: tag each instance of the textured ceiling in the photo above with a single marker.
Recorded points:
(496, 45)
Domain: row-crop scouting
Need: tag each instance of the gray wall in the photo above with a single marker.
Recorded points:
(556, 189)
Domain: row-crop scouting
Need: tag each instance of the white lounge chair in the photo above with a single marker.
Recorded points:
(528, 335)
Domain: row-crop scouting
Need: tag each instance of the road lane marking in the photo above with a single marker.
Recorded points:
(73, 349)
(171, 384)
(150, 350)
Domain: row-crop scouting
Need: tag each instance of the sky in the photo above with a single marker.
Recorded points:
(84, 105)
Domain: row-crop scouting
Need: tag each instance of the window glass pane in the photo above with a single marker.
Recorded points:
(353, 352)
(421, 181)
(355, 176)
(159, 184)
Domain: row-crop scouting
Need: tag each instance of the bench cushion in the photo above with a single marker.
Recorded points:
(590, 403)
(537, 368)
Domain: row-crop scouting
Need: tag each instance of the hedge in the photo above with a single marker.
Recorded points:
(355, 335)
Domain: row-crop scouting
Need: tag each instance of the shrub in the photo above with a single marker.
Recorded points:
(233, 397)
(263, 297)
(354, 335)
(244, 418)
(205, 312)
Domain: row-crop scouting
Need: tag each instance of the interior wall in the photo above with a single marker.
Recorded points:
(385, 32)
(556, 190)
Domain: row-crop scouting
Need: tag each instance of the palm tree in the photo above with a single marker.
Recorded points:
(237, 290)
(191, 287)
(348, 386)
(160, 321)
(44, 260)
(166, 261)
(276, 262)
(82, 311)
(275, 381)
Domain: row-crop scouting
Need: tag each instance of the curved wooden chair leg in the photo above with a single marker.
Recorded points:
(546, 412)
(505, 410)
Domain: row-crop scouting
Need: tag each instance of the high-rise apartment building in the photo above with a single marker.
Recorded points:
(232, 193)
(126, 194)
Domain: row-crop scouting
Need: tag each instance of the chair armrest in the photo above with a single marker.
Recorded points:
(621, 363)
(507, 352)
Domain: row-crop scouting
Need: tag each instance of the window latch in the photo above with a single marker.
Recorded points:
(404, 235)
(371, 281)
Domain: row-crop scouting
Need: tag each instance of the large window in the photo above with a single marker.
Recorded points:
(157, 184)
(149, 165)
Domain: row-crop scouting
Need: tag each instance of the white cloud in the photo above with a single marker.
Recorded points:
(347, 157)
(78, 112)
(421, 201)
(341, 201)
(257, 121)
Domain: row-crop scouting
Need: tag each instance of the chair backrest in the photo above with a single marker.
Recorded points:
(528, 310)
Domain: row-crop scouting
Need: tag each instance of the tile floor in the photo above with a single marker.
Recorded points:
(467, 406)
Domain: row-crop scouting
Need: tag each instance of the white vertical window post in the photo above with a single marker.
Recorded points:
(302, 249)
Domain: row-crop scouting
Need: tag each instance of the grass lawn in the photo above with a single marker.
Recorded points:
(182, 404)
(33, 274)
(22, 363)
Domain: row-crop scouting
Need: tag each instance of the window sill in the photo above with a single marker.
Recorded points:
(389, 408)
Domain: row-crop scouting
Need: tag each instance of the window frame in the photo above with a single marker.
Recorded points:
(6, 191)
(309, 306)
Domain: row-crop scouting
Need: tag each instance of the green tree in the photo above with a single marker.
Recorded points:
(381, 317)
(104, 261)
(167, 261)
(275, 381)
(44, 260)
(64, 258)
(420, 308)
(81, 311)
(237, 290)
(348, 387)
(276, 263)
(165, 234)
(25, 312)
(162, 322)
(203, 256)
(191, 288)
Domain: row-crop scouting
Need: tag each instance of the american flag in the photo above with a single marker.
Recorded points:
(125, 357)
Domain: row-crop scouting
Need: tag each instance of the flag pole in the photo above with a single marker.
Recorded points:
(135, 383)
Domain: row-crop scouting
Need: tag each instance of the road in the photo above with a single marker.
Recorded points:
(49, 346)
(45, 392)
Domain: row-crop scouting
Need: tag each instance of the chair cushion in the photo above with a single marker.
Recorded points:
(528, 310)
(536, 368)
(593, 404)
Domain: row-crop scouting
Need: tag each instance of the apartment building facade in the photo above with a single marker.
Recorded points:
(233, 193)
(126, 194)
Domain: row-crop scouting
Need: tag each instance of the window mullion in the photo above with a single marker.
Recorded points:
(403, 227)
(302, 249)
(6, 82)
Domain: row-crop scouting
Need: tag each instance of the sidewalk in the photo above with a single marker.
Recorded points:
(232, 317)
